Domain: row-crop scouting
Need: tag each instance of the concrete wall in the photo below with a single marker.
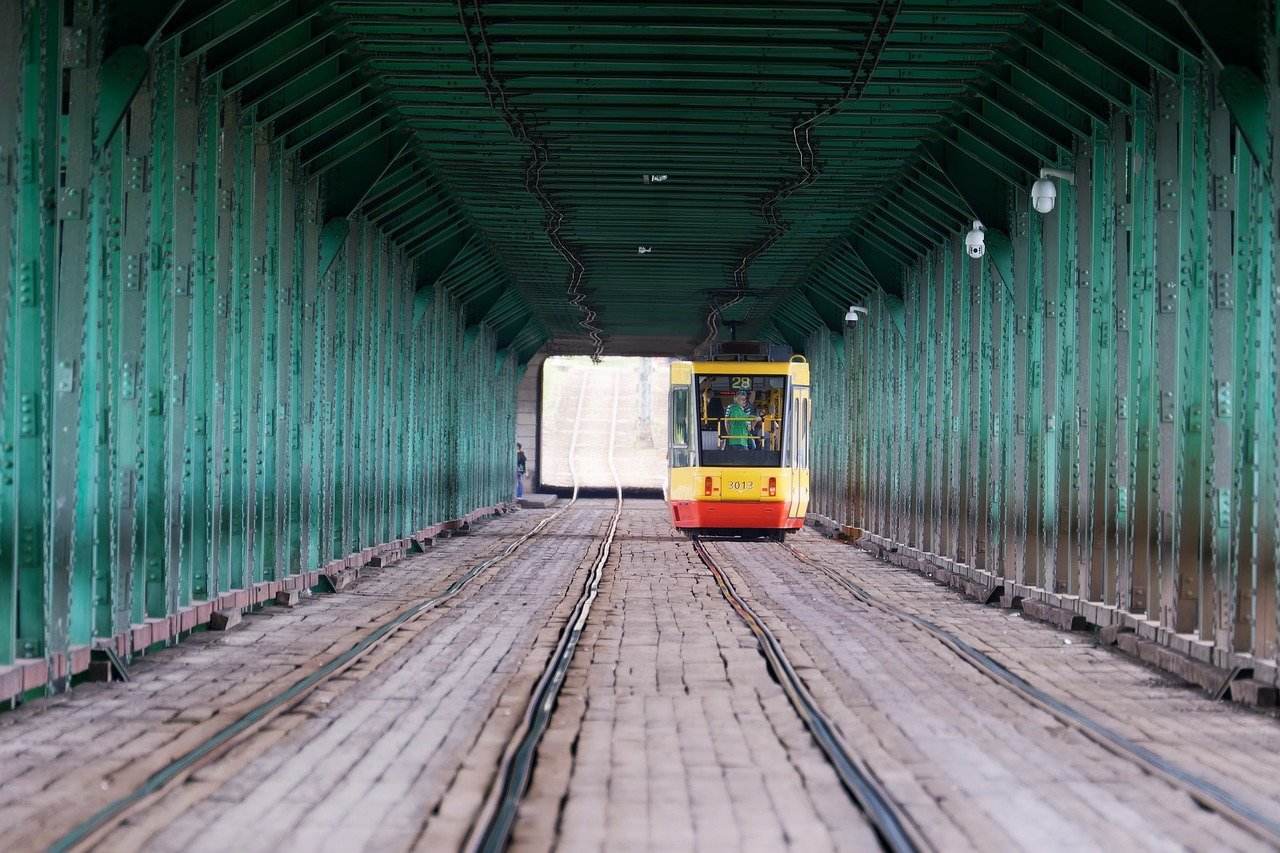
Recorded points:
(527, 409)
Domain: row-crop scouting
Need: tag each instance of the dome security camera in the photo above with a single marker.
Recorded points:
(975, 242)
(851, 317)
(1043, 195)
(1044, 192)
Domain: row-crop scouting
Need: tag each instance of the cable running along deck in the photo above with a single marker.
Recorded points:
(894, 827)
(1205, 793)
(497, 815)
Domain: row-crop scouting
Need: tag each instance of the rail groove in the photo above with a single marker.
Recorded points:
(100, 822)
(894, 827)
(1205, 793)
(496, 818)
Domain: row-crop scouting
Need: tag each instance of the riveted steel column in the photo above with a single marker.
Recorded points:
(129, 329)
(267, 500)
(32, 309)
(1097, 365)
(938, 402)
(1121, 461)
(79, 68)
(879, 412)
(1177, 595)
(947, 428)
(1061, 337)
(980, 428)
(344, 318)
(914, 418)
(1017, 498)
(998, 370)
(1039, 405)
(1193, 546)
(380, 400)
(1076, 497)
(958, 416)
(313, 319)
(180, 510)
(151, 579)
(1263, 446)
(13, 29)
(285, 528)
(1141, 408)
(1222, 583)
(253, 399)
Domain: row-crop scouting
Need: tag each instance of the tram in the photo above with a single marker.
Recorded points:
(738, 443)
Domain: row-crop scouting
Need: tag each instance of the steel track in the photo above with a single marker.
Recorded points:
(893, 825)
(492, 828)
(1204, 792)
(220, 742)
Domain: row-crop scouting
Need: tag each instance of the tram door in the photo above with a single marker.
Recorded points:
(679, 447)
(797, 455)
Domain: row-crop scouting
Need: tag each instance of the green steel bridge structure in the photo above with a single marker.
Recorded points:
(271, 272)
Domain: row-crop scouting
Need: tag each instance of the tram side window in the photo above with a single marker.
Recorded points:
(740, 420)
(680, 427)
(802, 433)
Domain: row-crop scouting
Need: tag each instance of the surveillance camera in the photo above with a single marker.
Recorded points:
(975, 242)
(1043, 195)
(851, 317)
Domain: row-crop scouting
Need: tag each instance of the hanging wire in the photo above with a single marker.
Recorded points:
(538, 159)
(802, 138)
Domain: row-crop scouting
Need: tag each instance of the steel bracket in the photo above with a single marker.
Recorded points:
(1223, 292)
(1195, 418)
(136, 174)
(75, 47)
(71, 203)
(1222, 399)
(1220, 195)
(182, 278)
(65, 376)
(132, 272)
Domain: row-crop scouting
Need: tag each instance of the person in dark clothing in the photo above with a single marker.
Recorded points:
(522, 464)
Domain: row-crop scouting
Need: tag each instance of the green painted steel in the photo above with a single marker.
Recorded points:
(1102, 425)
(204, 383)
(271, 272)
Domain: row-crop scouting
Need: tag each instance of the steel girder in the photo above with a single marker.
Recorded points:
(1102, 428)
(209, 386)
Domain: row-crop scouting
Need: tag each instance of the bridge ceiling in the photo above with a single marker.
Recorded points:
(633, 171)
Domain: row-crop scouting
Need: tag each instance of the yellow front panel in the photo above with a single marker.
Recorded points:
(729, 484)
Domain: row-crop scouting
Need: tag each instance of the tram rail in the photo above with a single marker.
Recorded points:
(91, 830)
(893, 825)
(1208, 795)
(497, 816)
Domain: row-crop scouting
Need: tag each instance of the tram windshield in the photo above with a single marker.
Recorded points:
(740, 420)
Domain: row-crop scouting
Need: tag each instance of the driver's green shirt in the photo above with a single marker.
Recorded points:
(737, 425)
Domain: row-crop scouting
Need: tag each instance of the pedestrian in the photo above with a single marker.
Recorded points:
(522, 463)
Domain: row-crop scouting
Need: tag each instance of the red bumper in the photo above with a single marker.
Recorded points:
(737, 514)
